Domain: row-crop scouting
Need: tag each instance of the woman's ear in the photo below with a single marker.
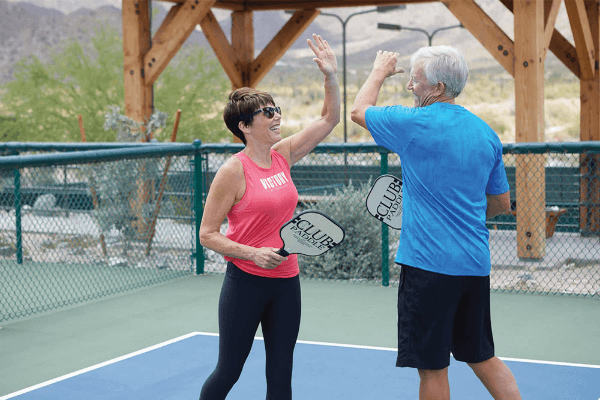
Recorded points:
(245, 129)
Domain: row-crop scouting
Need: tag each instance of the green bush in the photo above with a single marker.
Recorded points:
(358, 257)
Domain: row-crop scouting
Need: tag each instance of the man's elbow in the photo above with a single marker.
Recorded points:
(357, 115)
(505, 202)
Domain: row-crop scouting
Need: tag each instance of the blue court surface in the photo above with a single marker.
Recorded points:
(177, 369)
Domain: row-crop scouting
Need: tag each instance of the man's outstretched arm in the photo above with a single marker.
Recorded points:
(384, 67)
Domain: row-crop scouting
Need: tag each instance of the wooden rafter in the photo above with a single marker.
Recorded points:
(171, 35)
(559, 45)
(284, 39)
(551, 9)
(222, 48)
(582, 36)
(485, 30)
(269, 5)
(565, 52)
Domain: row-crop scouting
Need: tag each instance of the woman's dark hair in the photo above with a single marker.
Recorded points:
(242, 103)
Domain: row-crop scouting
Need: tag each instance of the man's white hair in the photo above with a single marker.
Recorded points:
(442, 64)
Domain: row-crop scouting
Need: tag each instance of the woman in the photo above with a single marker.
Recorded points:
(253, 189)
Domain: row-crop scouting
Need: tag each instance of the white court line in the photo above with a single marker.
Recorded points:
(157, 346)
(93, 367)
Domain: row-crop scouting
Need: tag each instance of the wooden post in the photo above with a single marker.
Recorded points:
(529, 109)
(136, 43)
(589, 212)
(242, 41)
(139, 102)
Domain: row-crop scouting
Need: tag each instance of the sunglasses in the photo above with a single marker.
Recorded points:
(268, 111)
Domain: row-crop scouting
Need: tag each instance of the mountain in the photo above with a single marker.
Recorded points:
(39, 27)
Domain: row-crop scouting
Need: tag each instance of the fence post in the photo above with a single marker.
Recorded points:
(18, 226)
(198, 207)
(385, 247)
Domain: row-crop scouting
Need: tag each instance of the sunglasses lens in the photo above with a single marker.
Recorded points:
(270, 111)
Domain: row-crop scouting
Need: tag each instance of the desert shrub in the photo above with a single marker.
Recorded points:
(358, 257)
(498, 122)
(125, 186)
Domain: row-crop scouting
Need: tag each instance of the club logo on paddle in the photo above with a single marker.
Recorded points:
(310, 233)
(384, 200)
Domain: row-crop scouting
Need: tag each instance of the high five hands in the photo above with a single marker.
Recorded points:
(325, 57)
(386, 63)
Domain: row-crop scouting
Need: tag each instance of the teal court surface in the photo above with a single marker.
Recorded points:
(143, 345)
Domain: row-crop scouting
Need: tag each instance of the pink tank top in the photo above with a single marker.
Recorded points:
(268, 202)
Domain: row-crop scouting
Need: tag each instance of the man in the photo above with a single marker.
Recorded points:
(453, 179)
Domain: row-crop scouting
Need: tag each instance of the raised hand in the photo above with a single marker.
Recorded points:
(325, 57)
(386, 61)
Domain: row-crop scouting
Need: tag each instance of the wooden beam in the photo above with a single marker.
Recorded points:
(168, 20)
(529, 110)
(551, 9)
(172, 34)
(223, 50)
(485, 30)
(565, 52)
(590, 88)
(269, 5)
(559, 45)
(136, 43)
(582, 36)
(284, 39)
(242, 40)
(589, 211)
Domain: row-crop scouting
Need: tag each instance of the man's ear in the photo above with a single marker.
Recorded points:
(441, 88)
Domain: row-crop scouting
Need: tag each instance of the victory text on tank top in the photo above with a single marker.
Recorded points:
(274, 181)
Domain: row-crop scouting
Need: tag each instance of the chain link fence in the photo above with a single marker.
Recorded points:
(551, 245)
(80, 225)
(72, 231)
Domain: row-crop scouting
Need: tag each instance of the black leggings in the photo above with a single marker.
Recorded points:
(247, 300)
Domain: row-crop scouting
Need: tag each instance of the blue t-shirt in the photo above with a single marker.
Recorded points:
(450, 160)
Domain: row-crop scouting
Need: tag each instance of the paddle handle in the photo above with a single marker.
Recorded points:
(282, 252)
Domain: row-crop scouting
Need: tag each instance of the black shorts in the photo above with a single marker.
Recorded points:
(441, 314)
